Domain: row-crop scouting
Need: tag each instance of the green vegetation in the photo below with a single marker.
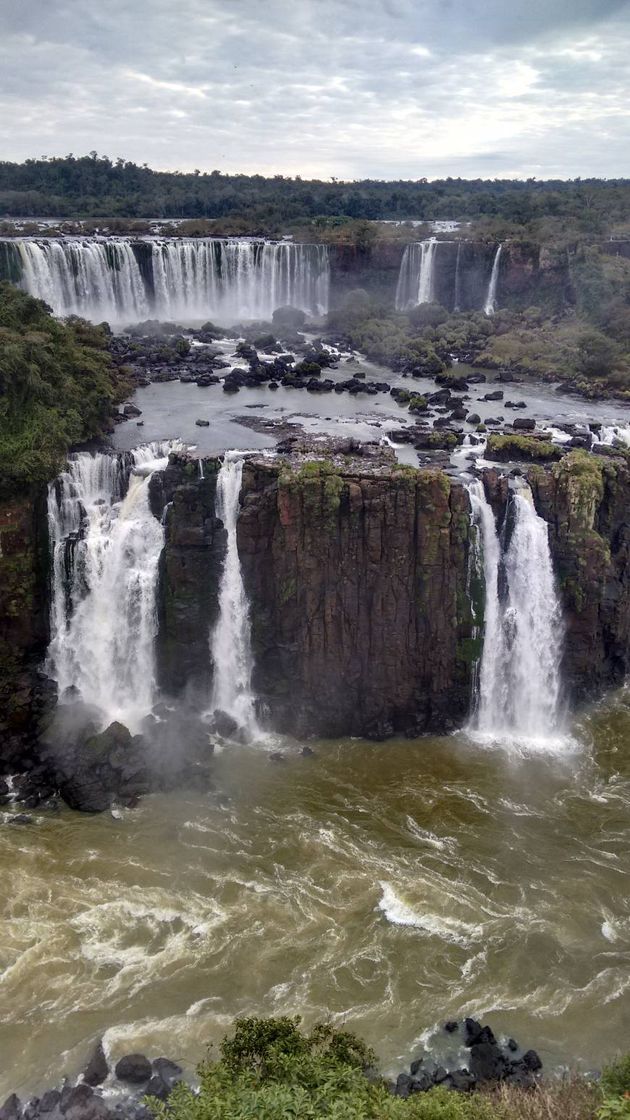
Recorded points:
(506, 448)
(269, 1069)
(57, 388)
(96, 186)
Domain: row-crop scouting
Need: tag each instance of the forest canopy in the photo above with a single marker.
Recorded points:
(97, 186)
(57, 387)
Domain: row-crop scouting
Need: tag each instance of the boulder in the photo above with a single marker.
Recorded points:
(404, 1083)
(487, 1062)
(524, 424)
(11, 1109)
(288, 318)
(223, 724)
(202, 423)
(461, 1081)
(96, 1070)
(135, 1068)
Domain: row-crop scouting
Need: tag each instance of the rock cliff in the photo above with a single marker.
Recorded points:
(361, 623)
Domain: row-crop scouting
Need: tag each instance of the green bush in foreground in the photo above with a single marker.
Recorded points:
(270, 1070)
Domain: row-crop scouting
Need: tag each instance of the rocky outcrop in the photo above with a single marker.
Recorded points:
(357, 582)
(586, 501)
(190, 567)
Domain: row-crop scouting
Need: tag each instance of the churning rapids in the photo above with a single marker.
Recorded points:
(389, 886)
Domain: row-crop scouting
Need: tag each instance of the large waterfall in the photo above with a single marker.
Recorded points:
(519, 677)
(230, 643)
(125, 280)
(106, 545)
(490, 306)
(416, 279)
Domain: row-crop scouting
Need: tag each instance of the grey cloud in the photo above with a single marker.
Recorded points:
(322, 87)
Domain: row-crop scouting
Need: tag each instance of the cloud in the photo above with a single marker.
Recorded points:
(352, 88)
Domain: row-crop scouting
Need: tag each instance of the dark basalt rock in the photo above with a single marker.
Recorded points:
(490, 1063)
(223, 724)
(11, 1109)
(487, 1062)
(97, 1069)
(524, 424)
(135, 1068)
(92, 770)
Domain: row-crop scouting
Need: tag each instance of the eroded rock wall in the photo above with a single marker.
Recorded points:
(361, 622)
(190, 568)
(586, 501)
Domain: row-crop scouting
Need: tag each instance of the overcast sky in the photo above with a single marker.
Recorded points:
(350, 88)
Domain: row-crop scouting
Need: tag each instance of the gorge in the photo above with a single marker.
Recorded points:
(332, 678)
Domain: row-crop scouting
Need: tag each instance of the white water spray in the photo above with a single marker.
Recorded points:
(106, 547)
(230, 644)
(122, 280)
(490, 305)
(458, 294)
(416, 278)
(519, 677)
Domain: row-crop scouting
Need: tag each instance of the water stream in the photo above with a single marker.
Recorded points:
(106, 547)
(416, 279)
(519, 685)
(230, 643)
(490, 306)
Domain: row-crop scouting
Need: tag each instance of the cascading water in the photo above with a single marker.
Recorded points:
(416, 278)
(106, 545)
(458, 294)
(230, 643)
(121, 280)
(490, 306)
(518, 696)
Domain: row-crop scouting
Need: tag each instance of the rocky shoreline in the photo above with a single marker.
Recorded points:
(124, 1090)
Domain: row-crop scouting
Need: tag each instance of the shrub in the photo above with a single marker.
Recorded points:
(270, 1070)
(616, 1077)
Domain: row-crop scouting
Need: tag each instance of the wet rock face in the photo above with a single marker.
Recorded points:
(586, 501)
(357, 583)
(190, 568)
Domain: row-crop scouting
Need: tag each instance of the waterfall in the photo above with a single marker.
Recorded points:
(490, 306)
(458, 294)
(100, 280)
(121, 280)
(230, 643)
(416, 278)
(106, 545)
(518, 697)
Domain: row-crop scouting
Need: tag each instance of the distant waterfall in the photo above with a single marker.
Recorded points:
(121, 280)
(230, 643)
(519, 678)
(490, 306)
(416, 278)
(458, 293)
(106, 545)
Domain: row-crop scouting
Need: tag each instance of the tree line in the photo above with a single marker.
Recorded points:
(95, 186)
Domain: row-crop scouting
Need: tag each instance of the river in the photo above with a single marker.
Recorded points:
(388, 886)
